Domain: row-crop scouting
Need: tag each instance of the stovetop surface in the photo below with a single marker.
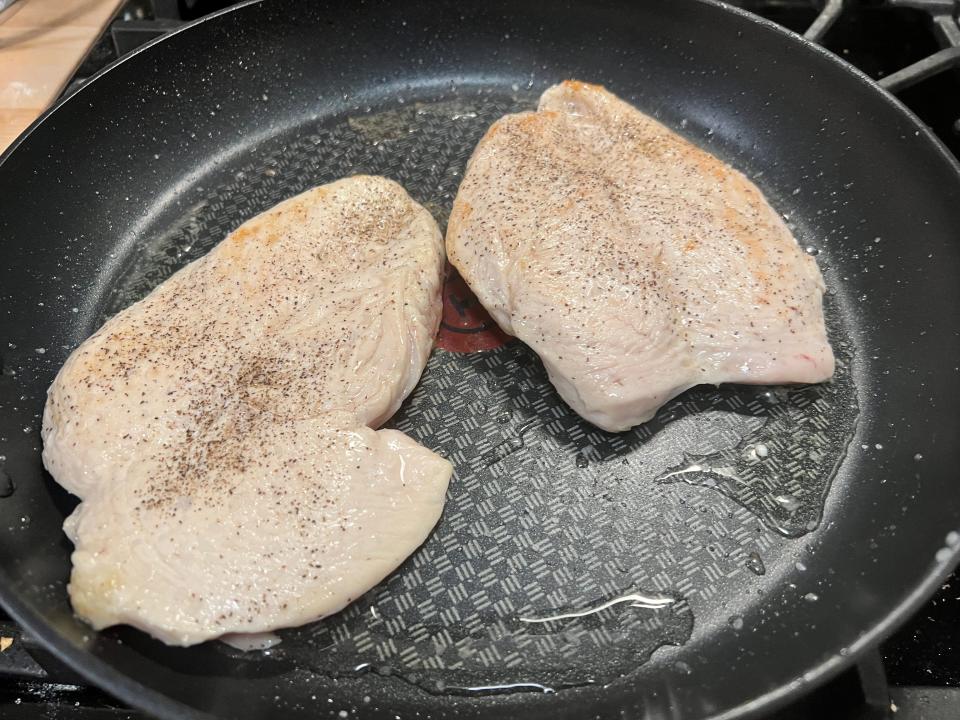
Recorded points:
(921, 662)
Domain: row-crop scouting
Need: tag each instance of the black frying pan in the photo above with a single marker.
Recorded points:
(156, 159)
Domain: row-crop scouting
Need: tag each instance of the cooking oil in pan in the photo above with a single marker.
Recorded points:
(650, 602)
(532, 650)
(781, 467)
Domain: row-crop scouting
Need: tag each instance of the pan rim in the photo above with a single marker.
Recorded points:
(907, 607)
(103, 675)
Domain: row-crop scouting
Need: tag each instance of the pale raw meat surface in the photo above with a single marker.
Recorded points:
(220, 431)
(634, 263)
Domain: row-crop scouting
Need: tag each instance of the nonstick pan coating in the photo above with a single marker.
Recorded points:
(777, 582)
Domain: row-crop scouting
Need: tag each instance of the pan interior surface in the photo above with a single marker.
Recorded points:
(661, 570)
(566, 555)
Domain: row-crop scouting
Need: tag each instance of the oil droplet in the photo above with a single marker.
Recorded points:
(755, 564)
(759, 451)
(504, 450)
(40, 351)
(247, 642)
(878, 446)
(512, 687)
(918, 457)
(683, 667)
(800, 566)
(811, 597)
(650, 602)
(788, 502)
(811, 250)
(736, 622)
(25, 521)
(772, 397)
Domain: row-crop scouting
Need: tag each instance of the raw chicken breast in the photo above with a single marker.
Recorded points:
(219, 432)
(635, 264)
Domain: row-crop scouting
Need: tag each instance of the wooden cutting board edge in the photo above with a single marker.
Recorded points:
(42, 43)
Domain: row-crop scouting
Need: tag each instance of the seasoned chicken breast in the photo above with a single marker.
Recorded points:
(634, 263)
(220, 432)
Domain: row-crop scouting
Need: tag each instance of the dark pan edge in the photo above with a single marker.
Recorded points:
(88, 666)
(914, 601)
(103, 71)
(838, 663)
(137, 695)
(852, 71)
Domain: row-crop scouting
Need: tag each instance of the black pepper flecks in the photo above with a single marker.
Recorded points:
(634, 263)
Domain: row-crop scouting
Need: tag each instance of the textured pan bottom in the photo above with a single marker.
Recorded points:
(547, 516)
